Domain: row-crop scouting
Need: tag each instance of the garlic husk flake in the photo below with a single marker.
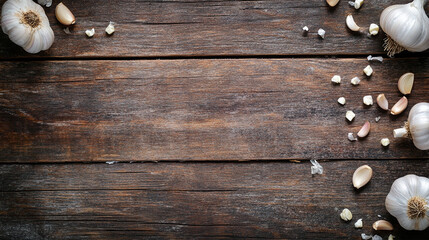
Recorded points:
(27, 25)
(406, 27)
(408, 201)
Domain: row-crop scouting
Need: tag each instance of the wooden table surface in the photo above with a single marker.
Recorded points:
(196, 119)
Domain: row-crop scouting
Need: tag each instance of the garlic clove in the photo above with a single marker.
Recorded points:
(373, 29)
(358, 4)
(351, 24)
(359, 223)
(382, 225)
(363, 132)
(400, 106)
(341, 100)
(367, 100)
(90, 32)
(350, 115)
(321, 33)
(385, 142)
(346, 215)
(405, 83)
(332, 3)
(64, 15)
(110, 29)
(362, 176)
(355, 81)
(336, 79)
(368, 70)
(382, 102)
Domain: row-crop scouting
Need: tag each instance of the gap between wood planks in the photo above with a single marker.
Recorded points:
(403, 56)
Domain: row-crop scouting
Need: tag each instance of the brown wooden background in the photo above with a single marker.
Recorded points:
(205, 107)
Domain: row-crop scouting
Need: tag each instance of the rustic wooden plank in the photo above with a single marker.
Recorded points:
(188, 200)
(245, 109)
(209, 28)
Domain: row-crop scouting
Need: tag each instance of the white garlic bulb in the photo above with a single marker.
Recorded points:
(406, 26)
(408, 201)
(417, 127)
(27, 25)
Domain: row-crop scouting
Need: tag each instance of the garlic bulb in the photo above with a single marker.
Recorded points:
(406, 26)
(417, 126)
(408, 201)
(27, 25)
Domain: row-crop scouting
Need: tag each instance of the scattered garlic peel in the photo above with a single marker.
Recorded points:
(363, 132)
(405, 83)
(316, 168)
(351, 24)
(400, 106)
(351, 137)
(362, 176)
(382, 101)
(382, 225)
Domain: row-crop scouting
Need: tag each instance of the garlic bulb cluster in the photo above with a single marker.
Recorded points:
(27, 25)
(417, 127)
(408, 201)
(406, 26)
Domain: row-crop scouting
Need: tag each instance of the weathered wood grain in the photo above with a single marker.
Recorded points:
(191, 200)
(247, 109)
(208, 28)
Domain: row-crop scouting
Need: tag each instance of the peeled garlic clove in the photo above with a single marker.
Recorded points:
(361, 176)
(373, 29)
(336, 79)
(405, 83)
(368, 70)
(359, 223)
(110, 29)
(346, 215)
(382, 101)
(400, 106)
(341, 100)
(332, 3)
(355, 81)
(350, 115)
(385, 142)
(321, 33)
(358, 4)
(90, 32)
(64, 15)
(363, 132)
(382, 225)
(351, 24)
(367, 100)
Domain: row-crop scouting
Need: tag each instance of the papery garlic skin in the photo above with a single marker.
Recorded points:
(27, 25)
(417, 126)
(408, 201)
(407, 25)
